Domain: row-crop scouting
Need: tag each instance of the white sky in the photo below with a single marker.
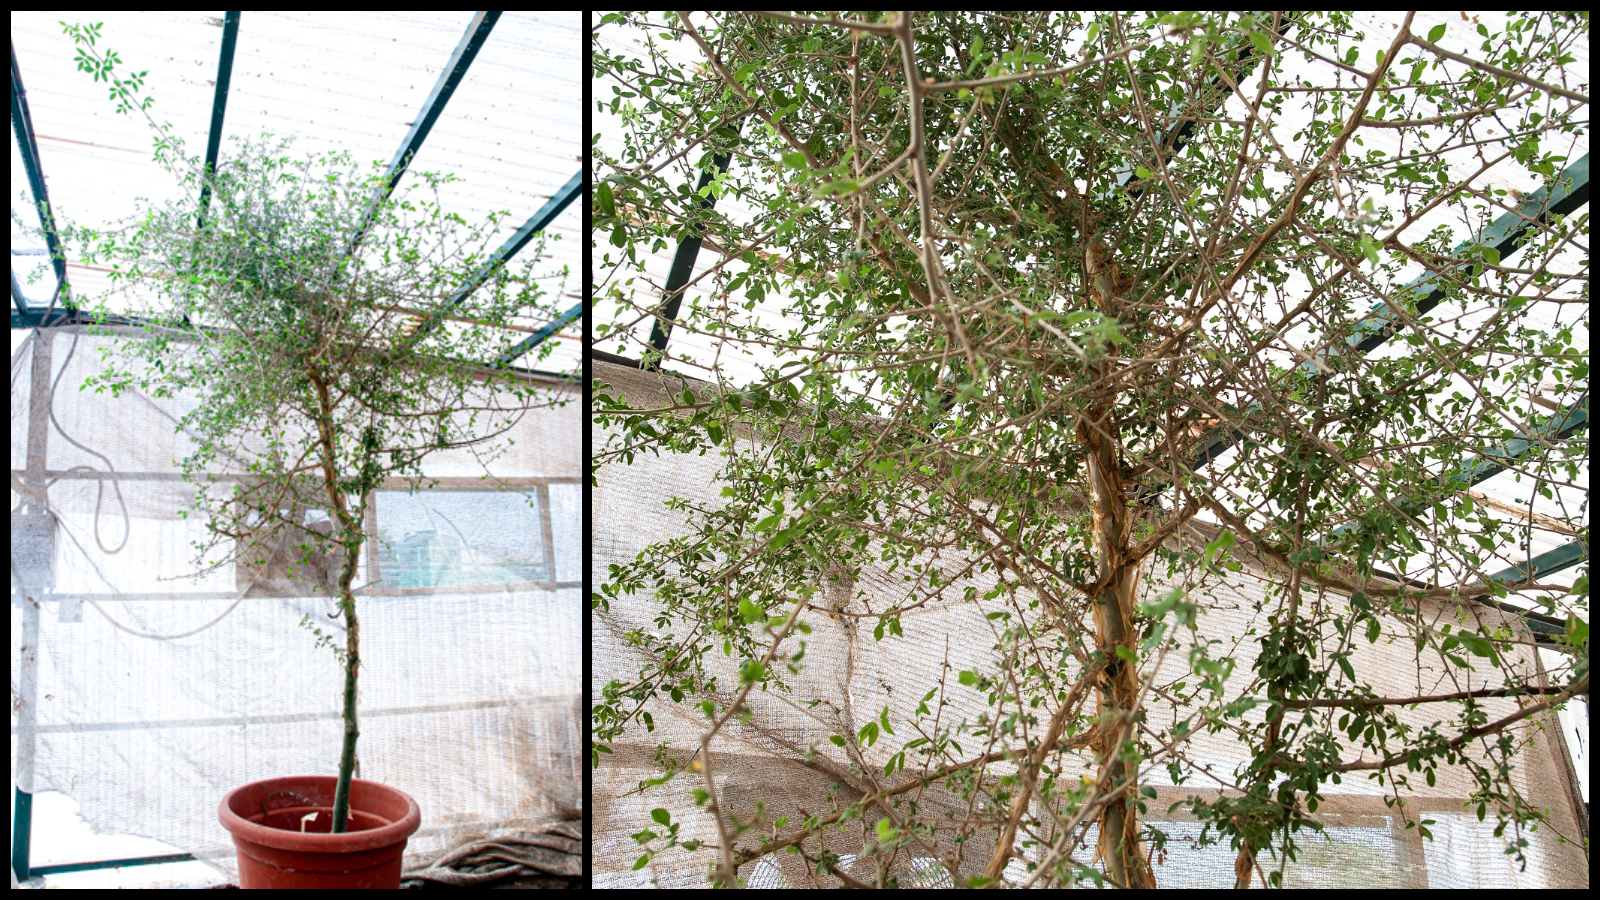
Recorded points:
(352, 81)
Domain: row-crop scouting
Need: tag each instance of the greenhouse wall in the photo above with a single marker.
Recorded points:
(146, 696)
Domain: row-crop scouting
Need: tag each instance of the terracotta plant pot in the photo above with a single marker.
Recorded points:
(266, 820)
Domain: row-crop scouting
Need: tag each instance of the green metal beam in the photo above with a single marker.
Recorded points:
(22, 848)
(1474, 470)
(683, 261)
(1563, 557)
(539, 221)
(455, 69)
(540, 336)
(21, 834)
(1546, 629)
(1178, 135)
(36, 317)
(219, 105)
(1506, 236)
(28, 146)
(65, 868)
(17, 299)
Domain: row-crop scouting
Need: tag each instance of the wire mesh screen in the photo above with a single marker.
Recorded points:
(146, 695)
(780, 765)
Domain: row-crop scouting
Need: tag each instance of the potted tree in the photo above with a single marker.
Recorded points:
(300, 311)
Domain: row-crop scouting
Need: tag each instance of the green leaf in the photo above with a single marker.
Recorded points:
(1164, 605)
(886, 832)
(868, 734)
(782, 538)
(1143, 173)
(602, 196)
(1577, 629)
(967, 677)
(1478, 646)
(837, 740)
(661, 816)
(749, 611)
(1433, 38)
(795, 160)
(1262, 42)
(896, 762)
(1369, 248)
(641, 862)
(1221, 543)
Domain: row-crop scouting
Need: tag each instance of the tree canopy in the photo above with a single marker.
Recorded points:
(1089, 299)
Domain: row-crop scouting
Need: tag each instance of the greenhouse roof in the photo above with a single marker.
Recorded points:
(492, 97)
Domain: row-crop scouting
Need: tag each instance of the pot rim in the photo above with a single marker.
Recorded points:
(395, 832)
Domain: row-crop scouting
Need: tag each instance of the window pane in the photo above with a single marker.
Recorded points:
(438, 539)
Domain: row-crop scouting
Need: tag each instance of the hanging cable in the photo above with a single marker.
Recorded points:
(127, 524)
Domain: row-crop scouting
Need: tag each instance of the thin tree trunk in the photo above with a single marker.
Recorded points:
(352, 731)
(352, 537)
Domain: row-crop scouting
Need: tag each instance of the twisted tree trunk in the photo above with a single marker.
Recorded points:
(1115, 591)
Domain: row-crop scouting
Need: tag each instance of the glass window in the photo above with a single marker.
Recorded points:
(451, 539)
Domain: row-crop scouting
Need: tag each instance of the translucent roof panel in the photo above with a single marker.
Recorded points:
(333, 81)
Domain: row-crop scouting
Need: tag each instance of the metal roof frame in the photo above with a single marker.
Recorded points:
(27, 143)
(17, 299)
(1563, 557)
(472, 40)
(540, 220)
(1474, 470)
(219, 106)
(1505, 235)
(449, 79)
(1383, 321)
(540, 336)
(683, 262)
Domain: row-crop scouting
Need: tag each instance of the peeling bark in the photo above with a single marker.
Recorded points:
(1115, 590)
